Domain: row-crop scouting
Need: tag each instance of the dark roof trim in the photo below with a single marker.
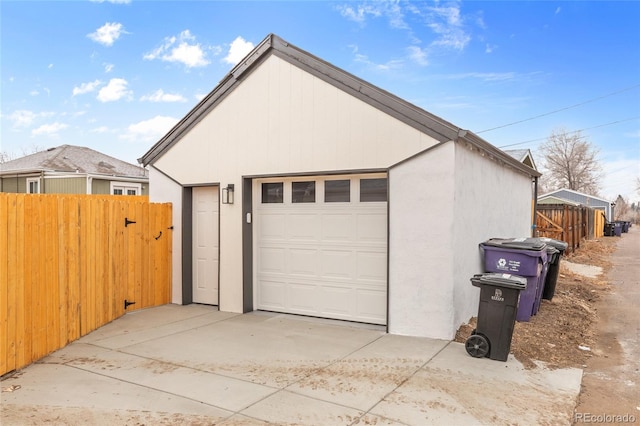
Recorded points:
(386, 102)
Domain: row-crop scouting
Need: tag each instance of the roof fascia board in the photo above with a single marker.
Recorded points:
(496, 153)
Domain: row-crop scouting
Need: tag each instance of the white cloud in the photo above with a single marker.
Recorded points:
(34, 93)
(200, 96)
(49, 129)
(392, 10)
(490, 48)
(238, 49)
(418, 55)
(160, 96)
(360, 13)
(108, 68)
(108, 33)
(86, 87)
(50, 66)
(101, 129)
(558, 9)
(115, 90)
(112, 1)
(22, 118)
(182, 49)
(447, 23)
(149, 130)
(393, 64)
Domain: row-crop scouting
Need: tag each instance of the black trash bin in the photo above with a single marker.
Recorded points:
(499, 294)
(554, 266)
(609, 229)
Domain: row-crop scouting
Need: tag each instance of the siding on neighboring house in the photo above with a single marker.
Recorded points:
(580, 198)
(65, 186)
(13, 184)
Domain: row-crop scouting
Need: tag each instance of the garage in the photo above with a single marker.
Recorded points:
(321, 246)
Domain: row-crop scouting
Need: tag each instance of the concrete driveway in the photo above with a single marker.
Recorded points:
(194, 365)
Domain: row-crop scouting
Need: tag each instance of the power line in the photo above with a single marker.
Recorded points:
(560, 110)
(575, 131)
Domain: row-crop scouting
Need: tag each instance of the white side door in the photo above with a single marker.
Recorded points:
(205, 243)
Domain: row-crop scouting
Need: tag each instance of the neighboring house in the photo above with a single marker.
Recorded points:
(69, 169)
(300, 188)
(522, 155)
(561, 196)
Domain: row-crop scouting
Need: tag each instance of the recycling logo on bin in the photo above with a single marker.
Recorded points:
(497, 296)
(511, 265)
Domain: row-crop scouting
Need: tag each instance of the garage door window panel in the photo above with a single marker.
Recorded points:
(303, 192)
(372, 190)
(337, 191)
(272, 193)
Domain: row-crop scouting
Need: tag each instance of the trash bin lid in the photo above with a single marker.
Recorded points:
(500, 280)
(516, 243)
(559, 244)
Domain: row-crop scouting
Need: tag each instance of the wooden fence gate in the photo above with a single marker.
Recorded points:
(72, 263)
(569, 223)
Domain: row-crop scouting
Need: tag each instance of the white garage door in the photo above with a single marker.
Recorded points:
(321, 246)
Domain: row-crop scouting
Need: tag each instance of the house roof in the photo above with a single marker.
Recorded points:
(551, 199)
(400, 109)
(557, 191)
(73, 159)
(522, 155)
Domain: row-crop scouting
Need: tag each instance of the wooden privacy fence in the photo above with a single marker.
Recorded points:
(569, 223)
(68, 263)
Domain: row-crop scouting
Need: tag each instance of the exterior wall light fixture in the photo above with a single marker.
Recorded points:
(227, 194)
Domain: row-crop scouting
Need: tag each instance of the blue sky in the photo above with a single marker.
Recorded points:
(116, 75)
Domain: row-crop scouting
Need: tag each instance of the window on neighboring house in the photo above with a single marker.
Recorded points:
(33, 186)
(123, 188)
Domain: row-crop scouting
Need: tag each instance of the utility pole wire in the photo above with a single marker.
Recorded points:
(560, 110)
(574, 131)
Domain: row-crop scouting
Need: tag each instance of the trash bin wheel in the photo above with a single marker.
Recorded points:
(477, 346)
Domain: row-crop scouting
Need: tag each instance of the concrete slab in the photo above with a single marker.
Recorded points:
(58, 385)
(274, 350)
(289, 408)
(363, 378)
(455, 387)
(191, 365)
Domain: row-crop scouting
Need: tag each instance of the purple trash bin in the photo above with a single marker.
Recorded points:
(520, 256)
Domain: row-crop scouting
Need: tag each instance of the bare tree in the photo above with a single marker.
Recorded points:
(571, 162)
(622, 208)
(5, 156)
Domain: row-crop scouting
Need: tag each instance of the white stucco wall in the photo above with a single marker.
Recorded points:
(443, 203)
(421, 261)
(491, 200)
(164, 190)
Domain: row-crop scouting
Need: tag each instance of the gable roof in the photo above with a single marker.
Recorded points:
(523, 156)
(73, 159)
(558, 194)
(388, 103)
